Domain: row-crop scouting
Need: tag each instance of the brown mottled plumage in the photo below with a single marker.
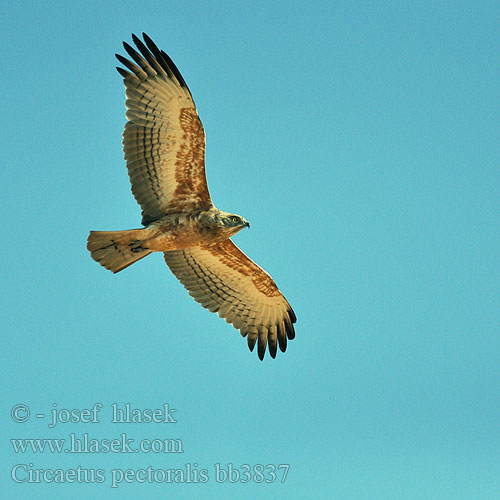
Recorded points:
(164, 146)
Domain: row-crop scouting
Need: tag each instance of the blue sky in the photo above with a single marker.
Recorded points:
(361, 141)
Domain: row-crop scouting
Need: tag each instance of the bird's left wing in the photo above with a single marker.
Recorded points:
(223, 279)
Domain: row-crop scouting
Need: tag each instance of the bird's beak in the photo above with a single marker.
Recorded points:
(247, 224)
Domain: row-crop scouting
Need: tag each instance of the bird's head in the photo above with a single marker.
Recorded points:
(231, 223)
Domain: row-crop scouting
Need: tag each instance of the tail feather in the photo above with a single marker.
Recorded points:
(116, 250)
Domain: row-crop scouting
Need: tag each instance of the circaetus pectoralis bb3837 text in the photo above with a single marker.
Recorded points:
(164, 146)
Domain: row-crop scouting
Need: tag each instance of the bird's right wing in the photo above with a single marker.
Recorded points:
(223, 279)
(164, 140)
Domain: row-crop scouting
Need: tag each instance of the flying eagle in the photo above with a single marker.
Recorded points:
(164, 146)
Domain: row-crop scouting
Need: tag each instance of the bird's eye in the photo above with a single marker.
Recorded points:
(234, 219)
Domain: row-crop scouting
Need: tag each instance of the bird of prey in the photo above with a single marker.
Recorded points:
(164, 146)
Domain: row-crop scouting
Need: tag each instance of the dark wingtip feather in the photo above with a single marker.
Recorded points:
(251, 342)
(121, 58)
(132, 53)
(289, 330)
(262, 346)
(143, 49)
(135, 38)
(272, 347)
(174, 69)
(122, 72)
(281, 337)
(128, 64)
(151, 45)
(163, 59)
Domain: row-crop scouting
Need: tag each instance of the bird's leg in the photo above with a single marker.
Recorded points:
(136, 246)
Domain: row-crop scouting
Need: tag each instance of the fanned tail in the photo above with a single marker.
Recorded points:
(116, 250)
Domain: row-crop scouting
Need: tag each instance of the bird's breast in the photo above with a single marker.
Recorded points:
(179, 232)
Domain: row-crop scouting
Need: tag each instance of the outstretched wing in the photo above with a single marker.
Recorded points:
(223, 279)
(164, 140)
